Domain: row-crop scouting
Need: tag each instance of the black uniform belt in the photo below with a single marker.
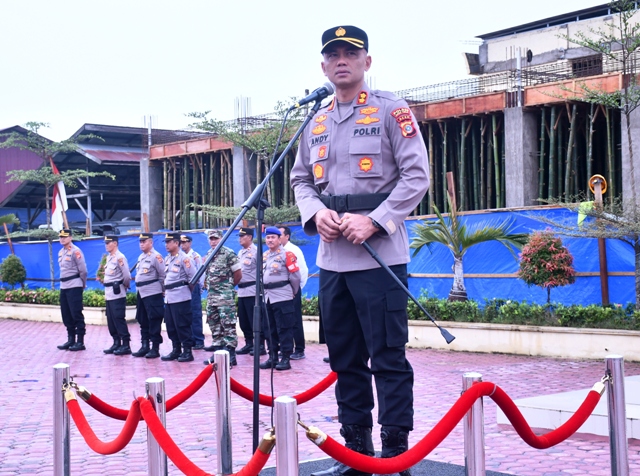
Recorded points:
(277, 284)
(69, 278)
(353, 202)
(247, 284)
(145, 283)
(113, 283)
(176, 285)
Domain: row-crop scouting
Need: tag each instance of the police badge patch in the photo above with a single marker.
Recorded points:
(403, 117)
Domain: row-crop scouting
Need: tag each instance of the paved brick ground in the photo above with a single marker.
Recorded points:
(26, 376)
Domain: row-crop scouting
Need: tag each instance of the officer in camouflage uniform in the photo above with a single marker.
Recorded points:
(223, 273)
(73, 279)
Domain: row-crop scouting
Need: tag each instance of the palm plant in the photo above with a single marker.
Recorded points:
(455, 235)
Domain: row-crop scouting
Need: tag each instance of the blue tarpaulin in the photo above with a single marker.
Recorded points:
(488, 267)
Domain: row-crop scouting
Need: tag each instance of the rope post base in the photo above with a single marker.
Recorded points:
(223, 414)
(286, 409)
(61, 419)
(157, 457)
(473, 425)
(614, 367)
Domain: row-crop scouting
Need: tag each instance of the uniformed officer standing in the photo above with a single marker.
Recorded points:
(116, 282)
(177, 310)
(247, 289)
(73, 280)
(196, 294)
(223, 273)
(298, 328)
(361, 168)
(150, 297)
(281, 280)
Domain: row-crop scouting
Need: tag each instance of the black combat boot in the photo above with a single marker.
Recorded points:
(116, 345)
(79, 345)
(284, 364)
(263, 350)
(154, 353)
(232, 356)
(71, 339)
(248, 347)
(356, 438)
(186, 356)
(124, 349)
(144, 350)
(212, 348)
(271, 362)
(395, 441)
(174, 354)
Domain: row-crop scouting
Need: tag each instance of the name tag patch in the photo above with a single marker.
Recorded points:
(366, 131)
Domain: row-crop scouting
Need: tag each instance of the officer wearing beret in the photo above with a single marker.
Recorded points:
(196, 294)
(281, 282)
(361, 168)
(150, 299)
(179, 271)
(116, 282)
(247, 289)
(73, 280)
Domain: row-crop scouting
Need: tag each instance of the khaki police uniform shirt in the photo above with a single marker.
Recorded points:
(196, 259)
(71, 262)
(248, 260)
(376, 147)
(150, 267)
(178, 268)
(275, 269)
(116, 269)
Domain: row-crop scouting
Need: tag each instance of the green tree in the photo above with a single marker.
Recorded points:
(546, 262)
(12, 271)
(451, 232)
(46, 149)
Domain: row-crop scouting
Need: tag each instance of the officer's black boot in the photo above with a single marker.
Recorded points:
(144, 350)
(356, 438)
(248, 347)
(154, 353)
(116, 344)
(124, 349)
(395, 441)
(186, 356)
(232, 356)
(71, 339)
(271, 362)
(79, 345)
(174, 354)
(213, 349)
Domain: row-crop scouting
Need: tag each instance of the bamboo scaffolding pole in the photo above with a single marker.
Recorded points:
(490, 165)
(560, 158)
(165, 192)
(541, 158)
(503, 175)
(569, 170)
(432, 168)
(552, 155)
(496, 159)
(483, 167)
(610, 153)
(474, 162)
(462, 189)
(593, 111)
(443, 130)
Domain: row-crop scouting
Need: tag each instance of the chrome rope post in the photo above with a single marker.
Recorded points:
(157, 464)
(618, 444)
(223, 414)
(61, 419)
(286, 436)
(473, 424)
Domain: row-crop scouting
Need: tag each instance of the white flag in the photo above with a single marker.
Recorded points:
(59, 202)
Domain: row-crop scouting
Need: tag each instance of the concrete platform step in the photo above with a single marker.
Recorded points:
(551, 411)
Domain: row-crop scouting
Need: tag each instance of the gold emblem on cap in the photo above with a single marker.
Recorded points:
(341, 32)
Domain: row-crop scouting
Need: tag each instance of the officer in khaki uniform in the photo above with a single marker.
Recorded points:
(73, 280)
(116, 282)
(361, 168)
(177, 310)
(196, 293)
(150, 297)
(281, 282)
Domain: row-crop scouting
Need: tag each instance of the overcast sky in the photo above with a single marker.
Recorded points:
(74, 62)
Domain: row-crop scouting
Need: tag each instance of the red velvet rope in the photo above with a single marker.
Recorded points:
(172, 403)
(303, 397)
(442, 429)
(253, 467)
(93, 441)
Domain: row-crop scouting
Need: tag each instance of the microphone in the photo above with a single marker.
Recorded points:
(319, 94)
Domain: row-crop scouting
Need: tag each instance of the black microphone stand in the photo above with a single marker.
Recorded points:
(260, 204)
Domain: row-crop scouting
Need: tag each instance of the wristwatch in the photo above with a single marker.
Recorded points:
(376, 224)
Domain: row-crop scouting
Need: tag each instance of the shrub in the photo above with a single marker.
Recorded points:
(545, 262)
(90, 297)
(12, 271)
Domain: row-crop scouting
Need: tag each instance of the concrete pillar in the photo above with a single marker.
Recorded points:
(627, 176)
(521, 157)
(151, 193)
(241, 174)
